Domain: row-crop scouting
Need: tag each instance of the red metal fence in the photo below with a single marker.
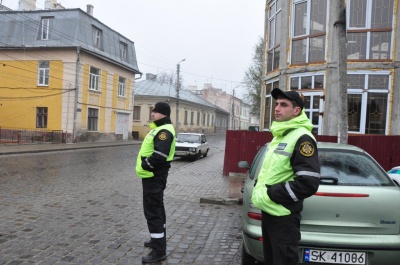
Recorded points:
(243, 146)
(21, 135)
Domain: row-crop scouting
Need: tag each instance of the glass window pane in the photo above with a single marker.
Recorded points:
(307, 101)
(300, 19)
(276, 58)
(270, 59)
(316, 100)
(380, 45)
(299, 51)
(268, 89)
(315, 118)
(319, 81)
(294, 83)
(356, 81)
(318, 16)
(382, 13)
(271, 33)
(354, 109)
(317, 49)
(356, 46)
(277, 35)
(306, 82)
(378, 82)
(376, 113)
(358, 10)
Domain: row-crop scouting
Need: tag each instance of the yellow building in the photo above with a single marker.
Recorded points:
(63, 70)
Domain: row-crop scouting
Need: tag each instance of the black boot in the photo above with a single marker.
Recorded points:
(154, 257)
(149, 243)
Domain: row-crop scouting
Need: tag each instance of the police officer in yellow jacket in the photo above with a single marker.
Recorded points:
(289, 174)
(152, 165)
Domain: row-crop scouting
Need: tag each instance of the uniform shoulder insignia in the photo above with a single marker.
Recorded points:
(306, 149)
(163, 136)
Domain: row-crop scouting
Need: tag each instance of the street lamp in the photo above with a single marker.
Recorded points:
(178, 86)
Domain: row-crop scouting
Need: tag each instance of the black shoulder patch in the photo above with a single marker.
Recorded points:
(306, 149)
(163, 136)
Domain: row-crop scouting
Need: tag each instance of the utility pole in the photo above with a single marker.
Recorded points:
(178, 87)
(233, 110)
(340, 26)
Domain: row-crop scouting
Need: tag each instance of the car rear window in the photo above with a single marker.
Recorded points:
(257, 162)
(350, 168)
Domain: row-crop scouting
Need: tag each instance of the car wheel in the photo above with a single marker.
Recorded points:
(206, 153)
(197, 156)
(247, 258)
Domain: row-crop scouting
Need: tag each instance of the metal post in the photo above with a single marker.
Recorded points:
(178, 87)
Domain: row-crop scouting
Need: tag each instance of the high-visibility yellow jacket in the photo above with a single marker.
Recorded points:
(157, 150)
(290, 171)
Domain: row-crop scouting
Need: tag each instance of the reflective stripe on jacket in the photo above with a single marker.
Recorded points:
(147, 149)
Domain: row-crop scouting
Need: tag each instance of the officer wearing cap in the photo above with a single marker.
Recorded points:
(152, 165)
(289, 174)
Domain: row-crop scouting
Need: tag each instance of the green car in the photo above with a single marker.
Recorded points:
(354, 218)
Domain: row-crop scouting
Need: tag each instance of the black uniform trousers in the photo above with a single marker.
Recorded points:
(154, 210)
(281, 237)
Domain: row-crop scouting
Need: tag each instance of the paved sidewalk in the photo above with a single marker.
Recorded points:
(8, 149)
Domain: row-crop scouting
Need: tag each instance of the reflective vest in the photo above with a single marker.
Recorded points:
(276, 168)
(147, 149)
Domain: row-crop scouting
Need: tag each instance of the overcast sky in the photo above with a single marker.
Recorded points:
(215, 37)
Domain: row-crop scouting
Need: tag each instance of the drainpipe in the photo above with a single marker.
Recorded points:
(76, 92)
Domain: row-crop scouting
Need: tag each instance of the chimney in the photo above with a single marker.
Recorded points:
(27, 5)
(50, 4)
(89, 9)
(151, 76)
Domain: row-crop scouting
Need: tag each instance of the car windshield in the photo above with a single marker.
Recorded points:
(340, 167)
(190, 138)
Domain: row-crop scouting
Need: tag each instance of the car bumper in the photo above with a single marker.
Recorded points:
(251, 241)
(184, 153)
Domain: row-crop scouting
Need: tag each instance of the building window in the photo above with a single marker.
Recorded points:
(121, 86)
(123, 50)
(369, 34)
(93, 118)
(43, 73)
(212, 120)
(198, 118)
(274, 24)
(192, 118)
(309, 31)
(208, 119)
(94, 79)
(44, 28)
(41, 117)
(136, 113)
(186, 118)
(204, 119)
(269, 108)
(98, 38)
(368, 95)
(307, 81)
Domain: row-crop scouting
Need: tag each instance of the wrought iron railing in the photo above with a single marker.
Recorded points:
(23, 135)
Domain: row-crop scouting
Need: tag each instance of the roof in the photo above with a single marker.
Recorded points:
(69, 28)
(153, 88)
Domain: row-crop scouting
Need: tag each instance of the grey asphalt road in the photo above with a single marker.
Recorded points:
(85, 207)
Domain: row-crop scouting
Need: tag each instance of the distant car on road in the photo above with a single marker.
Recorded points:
(191, 145)
(354, 218)
(394, 173)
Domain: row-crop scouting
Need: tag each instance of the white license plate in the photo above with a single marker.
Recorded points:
(335, 257)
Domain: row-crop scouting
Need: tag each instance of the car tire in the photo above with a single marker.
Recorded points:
(247, 258)
(206, 153)
(197, 156)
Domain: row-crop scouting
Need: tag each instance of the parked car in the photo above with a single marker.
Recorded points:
(354, 218)
(191, 145)
(394, 173)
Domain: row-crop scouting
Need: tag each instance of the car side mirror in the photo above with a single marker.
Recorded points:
(243, 164)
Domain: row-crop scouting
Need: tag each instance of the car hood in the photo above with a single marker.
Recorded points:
(186, 144)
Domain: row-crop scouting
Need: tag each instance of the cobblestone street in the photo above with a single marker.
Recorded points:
(85, 207)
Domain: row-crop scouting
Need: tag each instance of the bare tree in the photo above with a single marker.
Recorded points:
(166, 78)
(253, 79)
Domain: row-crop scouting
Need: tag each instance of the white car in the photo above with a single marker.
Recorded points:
(394, 174)
(191, 145)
